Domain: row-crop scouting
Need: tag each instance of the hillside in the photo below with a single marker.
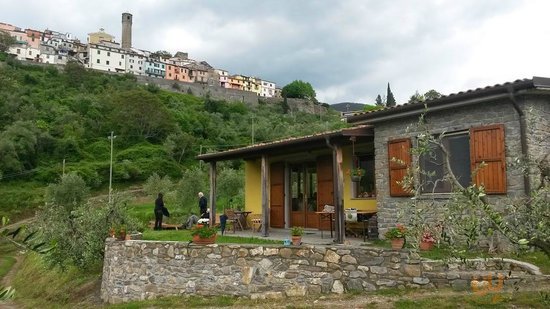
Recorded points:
(48, 117)
(347, 106)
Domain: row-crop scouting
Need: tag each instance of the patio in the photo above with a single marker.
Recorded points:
(311, 236)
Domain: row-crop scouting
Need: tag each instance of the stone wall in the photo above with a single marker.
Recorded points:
(201, 90)
(498, 112)
(537, 115)
(137, 270)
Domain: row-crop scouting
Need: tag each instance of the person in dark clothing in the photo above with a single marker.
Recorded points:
(202, 203)
(159, 205)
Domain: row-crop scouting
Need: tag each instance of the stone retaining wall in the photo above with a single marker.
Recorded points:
(137, 270)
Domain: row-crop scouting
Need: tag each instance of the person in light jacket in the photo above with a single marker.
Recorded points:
(203, 203)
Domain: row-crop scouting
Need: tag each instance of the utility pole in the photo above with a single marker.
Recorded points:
(252, 129)
(112, 137)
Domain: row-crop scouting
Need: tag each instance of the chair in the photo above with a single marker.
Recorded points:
(234, 219)
(256, 220)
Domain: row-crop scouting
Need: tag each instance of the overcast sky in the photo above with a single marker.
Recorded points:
(347, 49)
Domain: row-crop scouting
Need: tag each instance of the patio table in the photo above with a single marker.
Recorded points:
(244, 216)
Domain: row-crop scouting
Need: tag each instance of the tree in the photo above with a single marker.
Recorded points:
(299, 89)
(432, 95)
(141, 113)
(6, 40)
(390, 100)
(77, 227)
(379, 101)
(416, 97)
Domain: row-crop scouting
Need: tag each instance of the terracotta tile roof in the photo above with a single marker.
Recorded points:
(264, 147)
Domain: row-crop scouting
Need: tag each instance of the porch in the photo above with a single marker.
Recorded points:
(310, 237)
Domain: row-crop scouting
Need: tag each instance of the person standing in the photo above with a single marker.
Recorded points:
(202, 203)
(159, 206)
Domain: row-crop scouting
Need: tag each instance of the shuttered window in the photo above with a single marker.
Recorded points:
(487, 145)
(399, 158)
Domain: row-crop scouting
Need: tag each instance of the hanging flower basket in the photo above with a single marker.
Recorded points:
(356, 174)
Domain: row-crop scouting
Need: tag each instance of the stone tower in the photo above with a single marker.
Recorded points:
(126, 40)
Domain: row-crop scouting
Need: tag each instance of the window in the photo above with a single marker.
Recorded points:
(458, 146)
(121, 56)
(97, 61)
(108, 54)
(98, 52)
(466, 153)
(120, 63)
(131, 66)
(18, 51)
(366, 187)
(467, 150)
(107, 62)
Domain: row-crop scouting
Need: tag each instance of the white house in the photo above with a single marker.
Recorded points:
(135, 61)
(267, 89)
(106, 58)
(224, 78)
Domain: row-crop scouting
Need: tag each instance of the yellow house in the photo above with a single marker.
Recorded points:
(291, 181)
(100, 36)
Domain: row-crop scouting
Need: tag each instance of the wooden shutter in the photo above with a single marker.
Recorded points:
(487, 145)
(400, 150)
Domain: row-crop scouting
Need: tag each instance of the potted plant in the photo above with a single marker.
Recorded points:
(112, 232)
(204, 235)
(296, 232)
(427, 241)
(122, 232)
(356, 174)
(397, 236)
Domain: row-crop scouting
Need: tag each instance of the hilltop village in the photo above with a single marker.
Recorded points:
(101, 52)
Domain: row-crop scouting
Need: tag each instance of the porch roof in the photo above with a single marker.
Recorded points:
(472, 96)
(293, 144)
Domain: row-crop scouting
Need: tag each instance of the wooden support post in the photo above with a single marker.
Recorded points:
(265, 200)
(338, 189)
(212, 193)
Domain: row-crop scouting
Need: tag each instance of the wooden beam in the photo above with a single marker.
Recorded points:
(212, 193)
(265, 200)
(338, 181)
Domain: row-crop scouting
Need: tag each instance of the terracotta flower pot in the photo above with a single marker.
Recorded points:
(426, 246)
(204, 241)
(296, 240)
(397, 243)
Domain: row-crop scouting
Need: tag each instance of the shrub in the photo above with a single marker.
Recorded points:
(396, 232)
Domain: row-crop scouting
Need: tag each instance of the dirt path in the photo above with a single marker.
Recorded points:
(8, 279)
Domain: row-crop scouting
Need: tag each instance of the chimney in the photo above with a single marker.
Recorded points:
(126, 40)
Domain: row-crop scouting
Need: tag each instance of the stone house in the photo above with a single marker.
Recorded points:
(493, 125)
(289, 181)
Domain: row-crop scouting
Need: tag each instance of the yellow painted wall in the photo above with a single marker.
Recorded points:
(349, 202)
(253, 186)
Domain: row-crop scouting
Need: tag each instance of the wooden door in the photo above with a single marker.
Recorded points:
(297, 198)
(325, 187)
(277, 195)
